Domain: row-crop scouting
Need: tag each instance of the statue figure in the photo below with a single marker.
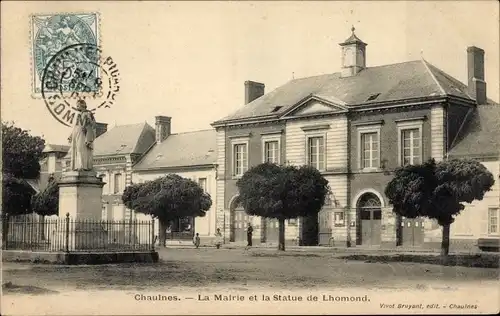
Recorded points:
(82, 139)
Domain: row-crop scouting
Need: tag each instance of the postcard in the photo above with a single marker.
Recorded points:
(253, 157)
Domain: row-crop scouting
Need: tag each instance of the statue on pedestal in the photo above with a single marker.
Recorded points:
(82, 139)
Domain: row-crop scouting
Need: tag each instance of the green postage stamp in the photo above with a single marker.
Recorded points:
(51, 33)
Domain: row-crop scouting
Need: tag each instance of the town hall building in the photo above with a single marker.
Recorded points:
(356, 127)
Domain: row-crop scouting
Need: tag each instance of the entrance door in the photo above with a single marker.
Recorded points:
(369, 220)
(412, 232)
(240, 224)
(272, 230)
(325, 227)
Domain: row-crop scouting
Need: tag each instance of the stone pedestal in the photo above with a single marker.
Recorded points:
(80, 196)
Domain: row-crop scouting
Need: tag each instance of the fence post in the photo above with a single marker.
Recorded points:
(153, 234)
(67, 232)
(130, 228)
(224, 227)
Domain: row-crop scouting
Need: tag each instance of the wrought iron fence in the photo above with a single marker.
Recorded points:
(66, 234)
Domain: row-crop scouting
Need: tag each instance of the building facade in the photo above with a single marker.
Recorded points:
(136, 153)
(115, 151)
(190, 155)
(241, 144)
(356, 127)
(479, 139)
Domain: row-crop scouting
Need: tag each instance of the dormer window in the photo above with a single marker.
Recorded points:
(373, 97)
(121, 148)
(276, 109)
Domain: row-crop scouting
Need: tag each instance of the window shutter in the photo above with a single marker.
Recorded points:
(209, 177)
(483, 220)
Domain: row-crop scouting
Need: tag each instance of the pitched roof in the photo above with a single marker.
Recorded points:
(481, 136)
(352, 39)
(125, 139)
(402, 81)
(181, 150)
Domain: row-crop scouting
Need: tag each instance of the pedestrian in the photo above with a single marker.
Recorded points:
(196, 240)
(249, 235)
(218, 238)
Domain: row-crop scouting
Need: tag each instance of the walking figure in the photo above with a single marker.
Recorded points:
(249, 235)
(196, 240)
(218, 238)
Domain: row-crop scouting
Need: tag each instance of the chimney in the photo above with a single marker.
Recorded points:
(162, 128)
(253, 90)
(475, 73)
(100, 129)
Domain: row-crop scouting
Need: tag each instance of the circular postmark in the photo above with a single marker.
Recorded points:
(79, 72)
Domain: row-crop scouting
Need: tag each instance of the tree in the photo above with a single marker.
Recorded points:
(167, 198)
(282, 192)
(437, 191)
(46, 203)
(21, 154)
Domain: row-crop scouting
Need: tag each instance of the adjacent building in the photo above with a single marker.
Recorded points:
(136, 153)
(479, 139)
(190, 155)
(115, 152)
(355, 126)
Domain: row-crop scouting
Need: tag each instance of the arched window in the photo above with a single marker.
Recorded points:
(369, 200)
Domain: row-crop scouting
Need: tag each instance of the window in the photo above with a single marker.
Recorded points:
(316, 152)
(369, 150)
(271, 146)
(271, 151)
(338, 219)
(118, 183)
(410, 141)
(493, 220)
(410, 146)
(292, 221)
(368, 140)
(203, 184)
(240, 159)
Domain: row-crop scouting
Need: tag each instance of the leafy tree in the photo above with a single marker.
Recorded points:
(282, 192)
(167, 198)
(46, 203)
(16, 198)
(437, 191)
(21, 154)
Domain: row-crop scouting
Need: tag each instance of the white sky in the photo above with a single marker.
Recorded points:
(189, 60)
